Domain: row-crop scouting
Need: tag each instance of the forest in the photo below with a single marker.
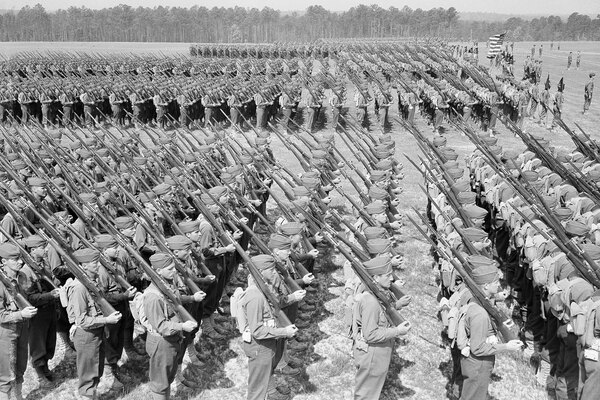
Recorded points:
(238, 25)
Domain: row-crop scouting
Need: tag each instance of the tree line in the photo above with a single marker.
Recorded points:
(236, 25)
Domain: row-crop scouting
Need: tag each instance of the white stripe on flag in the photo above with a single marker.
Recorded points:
(495, 46)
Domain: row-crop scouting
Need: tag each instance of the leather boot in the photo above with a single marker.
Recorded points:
(109, 381)
(18, 391)
(43, 381)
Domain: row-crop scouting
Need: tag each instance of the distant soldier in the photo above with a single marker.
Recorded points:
(540, 50)
(589, 91)
(544, 102)
(336, 101)
(558, 103)
(569, 60)
(533, 51)
(578, 60)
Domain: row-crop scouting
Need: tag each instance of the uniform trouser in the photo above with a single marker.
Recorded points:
(42, 339)
(476, 372)
(335, 117)
(13, 353)
(383, 116)
(263, 357)
(88, 114)
(533, 108)
(114, 335)
(66, 116)
(24, 113)
(161, 116)
(557, 116)
(467, 113)
(163, 355)
(589, 377)
(260, 117)
(285, 119)
(372, 367)
(211, 301)
(361, 115)
(587, 101)
(411, 114)
(234, 115)
(117, 113)
(90, 359)
(310, 117)
(184, 119)
(137, 113)
(438, 118)
(46, 117)
(567, 370)
(493, 118)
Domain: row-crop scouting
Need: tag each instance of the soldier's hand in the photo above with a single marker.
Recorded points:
(55, 293)
(326, 200)
(297, 295)
(131, 292)
(290, 330)
(308, 279)
(318, 237)
(403, 328)
(237, 234)
(113, 318)
(28, 312)
(230, 248)
(314, 253)
(403, 302)
(189, 326)
(514, 345)
(199, 296)
(211, 277)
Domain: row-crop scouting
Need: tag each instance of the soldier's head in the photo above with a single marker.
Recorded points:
(164, 265)
(266, 265)
(36, 245)
(485, 274)
(88, 258)
(380, 268)
(11, 258)
(38, 187)
(126, 225)
(108, 244)
(181, 246)
(280, 245)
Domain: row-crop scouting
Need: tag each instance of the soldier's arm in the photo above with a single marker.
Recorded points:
(478, 322)
(7, 316)
(254, 315)
(154, 309)
(78, 301)
(371, 331)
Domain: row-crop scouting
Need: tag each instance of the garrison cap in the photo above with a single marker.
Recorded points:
(246, 159)
(160, 260)
(576, 228)
(485, 273)
(378, 266)
(379, 175)
(12, 157)
(563, 268)
(124, 222)
(161, 189)
(475, 234)
(86, 255)
(188, 226)
(291, 228)
(301, 191)
(461, 186)
(263, 261)
(9, 251)
(84, 153)
(456, 173)
(105, 241)
(384, 165)
(218, 191)
(374, 232)
(88, 197)
(378, 246)
(467, 197)
(530, 176)
(179, 242)
(376, 207)
(592, 250)
(277, 241)
(146, 197)
(377, 193)
(439, 141)
(35, 181)
(34, 241)
(140, 160)
(206, 199)
(18, 164)
(311, 183)
(474, 211)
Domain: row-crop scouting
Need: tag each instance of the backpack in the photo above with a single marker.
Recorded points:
(137, 311)
(584, 323)
(236, 308)
(454, 303)
(462, 337)
(65, 294)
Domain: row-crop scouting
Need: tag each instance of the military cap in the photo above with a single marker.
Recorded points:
(160, 260)
(88, 197)
(379, 175)
(461, 186)
(189, 157)
(9, 250)
(576, 228)
(263, 261)
(489, 140)
(90, 141)
(12, 157)
(56, 135)
(456, 173)
(530, 176)
(218, 191)
(378, 246)
(124, 222)
(206, 199)
(146, 197)
(448, 165)
(164, 140)
(36, 145)
(374, 232)
(448, 153)
(378, 266)
(161, 189)
(592, 250)
(234, 169)
(291, 228)
(319, 154)
(203, 149)
(473, 211)
(188, 226)
(377, 193)
(311, 183)
(299, 204)
(83, 153)
(35, 181)
(384, 165)
(277, 241)
(246, 159)
(311, 174)
(75, 145)
(485, 274)
(168, 179)
(34, 241)
(260, 141)
(467, 197)
(140, 160)
(105, 241)
(179, 242)
(18, 164)
(376, 207)
(563, 268)
(86, 255)
(439, 141)
(301, 191)
(475, 234)
(228, 178)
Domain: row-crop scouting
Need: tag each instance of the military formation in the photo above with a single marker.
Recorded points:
(135, 225)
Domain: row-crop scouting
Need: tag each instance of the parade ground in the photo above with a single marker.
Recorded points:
(421, 366)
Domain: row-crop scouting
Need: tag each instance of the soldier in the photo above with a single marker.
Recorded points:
(336, 101)
(42, 340)
(88, 326)
(361, 100)
(14, 327)
(89, 107)
(545, 102)
(116, 104)
(286, 106)
(534, 94)
(558, 104)
(25, 102)
(262, 339)
(569, 60)
(373, 336)
(165, 330)
(589, 91)
(160, 102)
(67, 100)
(478, 361)
(578, 60)
(261, 103)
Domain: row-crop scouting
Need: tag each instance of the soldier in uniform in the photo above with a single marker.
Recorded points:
(558, 103)
(336, 101)
(373, 336)
(589, 91)
(14, 328)
(88, 326)
(165, 330)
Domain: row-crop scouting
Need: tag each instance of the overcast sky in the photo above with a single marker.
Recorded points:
(544, 7)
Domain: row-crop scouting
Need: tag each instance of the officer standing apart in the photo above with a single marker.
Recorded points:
(589, 91)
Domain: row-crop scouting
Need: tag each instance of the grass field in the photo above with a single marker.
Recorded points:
(421, 365)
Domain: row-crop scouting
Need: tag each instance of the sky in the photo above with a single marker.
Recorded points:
(539, 7)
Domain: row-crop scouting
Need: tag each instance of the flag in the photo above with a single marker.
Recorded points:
(495, 46)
